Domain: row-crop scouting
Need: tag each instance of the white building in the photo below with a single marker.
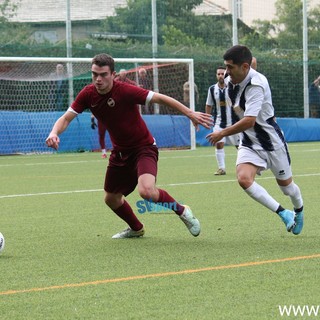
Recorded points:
(55, 10)
(248, 10)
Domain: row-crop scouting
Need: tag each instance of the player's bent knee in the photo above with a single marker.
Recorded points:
(244, 181)
(146, 193)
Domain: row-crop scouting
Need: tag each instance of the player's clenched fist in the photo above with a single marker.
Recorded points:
(53, 141)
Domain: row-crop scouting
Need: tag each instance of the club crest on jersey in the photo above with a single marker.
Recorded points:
(111, 103)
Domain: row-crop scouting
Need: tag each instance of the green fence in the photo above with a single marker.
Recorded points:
(185, 29)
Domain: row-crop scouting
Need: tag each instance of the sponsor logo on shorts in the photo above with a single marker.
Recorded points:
(281, 173)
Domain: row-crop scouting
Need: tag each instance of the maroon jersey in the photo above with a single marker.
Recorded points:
(118, 111)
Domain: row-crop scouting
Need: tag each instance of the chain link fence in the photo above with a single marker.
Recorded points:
(201, 30)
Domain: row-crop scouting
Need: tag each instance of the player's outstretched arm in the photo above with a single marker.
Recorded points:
(240, 126)
(61, 124)
(196, 117)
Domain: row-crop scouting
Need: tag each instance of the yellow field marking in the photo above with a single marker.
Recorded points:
(159, 275)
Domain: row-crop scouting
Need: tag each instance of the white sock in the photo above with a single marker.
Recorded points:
(220, 158)
(293, 191)
(260, 194)
(103, 151)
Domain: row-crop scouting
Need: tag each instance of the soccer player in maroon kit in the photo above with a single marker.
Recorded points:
(133, 160)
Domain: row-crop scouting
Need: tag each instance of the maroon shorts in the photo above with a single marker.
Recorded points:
(124, 169)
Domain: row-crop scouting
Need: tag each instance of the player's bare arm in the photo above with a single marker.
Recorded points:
(61, 124)
(208, 109)
(196, 117)
(242, 125)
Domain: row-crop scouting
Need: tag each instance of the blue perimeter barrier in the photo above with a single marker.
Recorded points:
(295, 130)
(25, 132)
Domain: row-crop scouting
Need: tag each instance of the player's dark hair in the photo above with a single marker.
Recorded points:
(238, 54)
(221, 67)
(102, 60)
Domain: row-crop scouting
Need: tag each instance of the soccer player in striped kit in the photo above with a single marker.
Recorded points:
(223, 116)
(262, 144)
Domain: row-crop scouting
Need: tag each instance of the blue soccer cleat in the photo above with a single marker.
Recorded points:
(287, 217)
(299, 223)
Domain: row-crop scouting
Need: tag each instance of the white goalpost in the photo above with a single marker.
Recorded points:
(35, 91)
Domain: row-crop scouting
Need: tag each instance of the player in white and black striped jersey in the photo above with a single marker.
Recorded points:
(223, 115)
(262, 145)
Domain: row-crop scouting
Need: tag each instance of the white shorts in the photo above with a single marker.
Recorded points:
(277, 161)
(233, 140)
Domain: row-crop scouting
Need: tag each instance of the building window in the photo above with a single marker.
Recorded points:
(45, 36)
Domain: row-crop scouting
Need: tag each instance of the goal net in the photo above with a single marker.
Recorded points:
(35, 92)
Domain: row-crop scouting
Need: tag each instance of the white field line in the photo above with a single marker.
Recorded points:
(99, 160)
(160, 185)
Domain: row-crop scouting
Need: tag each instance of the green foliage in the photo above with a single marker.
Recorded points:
(260, 38)
(289, 15)
(277, 44)
(213, 30)
(11, 32)
(314, 28)
(135, 19)
(175, 37)
(14, 33)
(178, 8)
(284, 32)
(256, 41)
(7, 10)
(264, 27)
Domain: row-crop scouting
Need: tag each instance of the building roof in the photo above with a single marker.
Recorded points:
(56, 10)
(209, 7)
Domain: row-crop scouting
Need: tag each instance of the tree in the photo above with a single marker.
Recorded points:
(7, 10)
(262, 37)
(314, 29)
(136, 19)
(285, 31)
(174, 37)
(288, 23)
(11, 31)
(179, 8)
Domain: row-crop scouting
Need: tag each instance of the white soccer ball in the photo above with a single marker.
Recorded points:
(1, 242)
